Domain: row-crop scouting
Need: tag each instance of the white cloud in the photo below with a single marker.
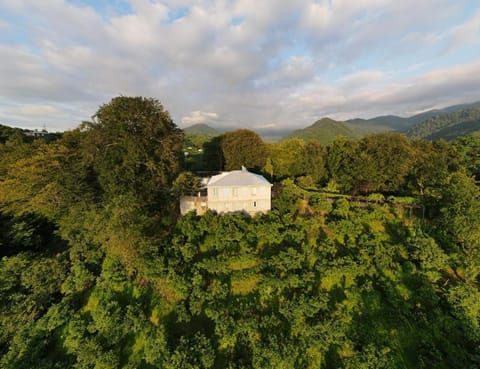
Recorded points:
(248, 61)
(35, 110)
(464, 33)
(361, 79)
(198, 116)
(437, 88)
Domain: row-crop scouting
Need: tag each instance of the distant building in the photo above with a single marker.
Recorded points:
(36, 133)
(238, 190)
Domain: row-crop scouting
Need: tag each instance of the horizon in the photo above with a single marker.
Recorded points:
(266, 130)
(239, 63)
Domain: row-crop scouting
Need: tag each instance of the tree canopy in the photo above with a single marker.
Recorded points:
(243, 147)
(370, 262)
(134, 146)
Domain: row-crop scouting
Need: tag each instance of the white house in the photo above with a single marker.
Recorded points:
(238, 190)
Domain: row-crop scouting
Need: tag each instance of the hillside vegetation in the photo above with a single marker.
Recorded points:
(431, 124)
(383, 123)
(324, 131)
(201, 129)
(387, 123)
(448, 125)
(368, 259)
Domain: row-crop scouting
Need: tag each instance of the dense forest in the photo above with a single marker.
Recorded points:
(449, 125)
(369, 258)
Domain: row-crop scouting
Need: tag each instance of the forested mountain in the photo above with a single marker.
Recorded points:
(382, 123)
(448, 125)
(325, 131)
(201, 129)
(368, 259)
(358, 127)
(395, 123)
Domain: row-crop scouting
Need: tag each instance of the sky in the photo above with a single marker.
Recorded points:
(258, 64)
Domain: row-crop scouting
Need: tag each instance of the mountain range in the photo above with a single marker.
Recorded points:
(447, 123)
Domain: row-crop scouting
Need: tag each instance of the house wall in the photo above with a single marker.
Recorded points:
(252, 199)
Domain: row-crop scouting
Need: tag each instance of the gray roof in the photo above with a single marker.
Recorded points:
(237, 178)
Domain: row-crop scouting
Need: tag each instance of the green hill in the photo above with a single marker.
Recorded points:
(383, 123)
(201, 130)
(197, 135)
(448, 125)
(325, 131)
(387, 123)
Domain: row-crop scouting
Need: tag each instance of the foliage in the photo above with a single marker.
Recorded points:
(134, 147)
(185, 184)
(468, 149)
(325, 131)
(243, 147)
(7, 132)
(96, 272)
(448, 125)
(200, 130)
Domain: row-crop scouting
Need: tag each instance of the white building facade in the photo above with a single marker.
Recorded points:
(238, 190)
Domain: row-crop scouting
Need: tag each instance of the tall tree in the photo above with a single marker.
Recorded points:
(135, 147)
(388, 157)
(212, 154)
(314, 160)
(460, 220)
(287, 158)
(341, 163)
(468, 149)
(243, 147)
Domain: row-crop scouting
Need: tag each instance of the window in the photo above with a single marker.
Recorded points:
(215, 192)
(235, 191)
(254, 204)
(254, 191)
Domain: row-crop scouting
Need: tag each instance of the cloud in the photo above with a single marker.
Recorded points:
(348, 30)
(291, 72)
(267, 126)
(36, 116)
(248, 61)
(361, 79)
(463, 33)
(197, 116)
(437, 88)
(34, 110)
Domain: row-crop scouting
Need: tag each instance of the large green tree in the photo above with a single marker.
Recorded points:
(386, 159)
(460, 220)
(286, 157)
(135, 147)
(243, 147)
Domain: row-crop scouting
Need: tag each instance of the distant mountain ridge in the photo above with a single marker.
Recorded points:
(381, 123)
(325, 131)
(201, 129)
(401, 124)
(448, 125)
